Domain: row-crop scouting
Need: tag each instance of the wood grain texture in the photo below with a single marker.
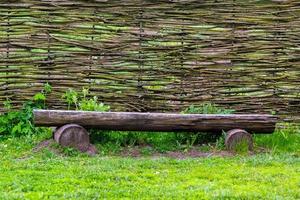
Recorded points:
(73, 135)
(133, 121)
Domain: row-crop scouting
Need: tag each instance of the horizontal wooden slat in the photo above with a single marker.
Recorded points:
(133, 121)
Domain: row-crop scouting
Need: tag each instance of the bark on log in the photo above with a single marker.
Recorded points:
(156, 121)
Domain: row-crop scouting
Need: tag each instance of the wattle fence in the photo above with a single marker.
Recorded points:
(143, 55)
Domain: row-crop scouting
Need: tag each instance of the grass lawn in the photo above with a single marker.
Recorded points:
(47, 175)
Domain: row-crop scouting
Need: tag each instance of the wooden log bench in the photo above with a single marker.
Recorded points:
(72, 125)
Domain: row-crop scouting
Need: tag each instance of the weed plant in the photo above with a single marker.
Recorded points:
(20, 122)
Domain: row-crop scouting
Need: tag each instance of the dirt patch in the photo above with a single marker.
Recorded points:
(47, 144)
(192, 153)
(42, 145)
(131, 152)
(142, 151)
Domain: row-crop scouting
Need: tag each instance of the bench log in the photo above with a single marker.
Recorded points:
(71, 131)
(133, 121)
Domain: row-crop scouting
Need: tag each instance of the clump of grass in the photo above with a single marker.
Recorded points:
(191, 139)
(220, 142)
(241, 148)
(285, 139)
(160, 141)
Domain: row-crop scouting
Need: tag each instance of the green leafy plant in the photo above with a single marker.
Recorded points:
(207, 108)
(71, 97)
(40, 97)
(91, 104)
(47, 88)
(19, 122)
(7, 104)
(82, 101)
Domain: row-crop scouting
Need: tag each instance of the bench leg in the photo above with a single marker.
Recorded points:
(73, 135)
(237, 137)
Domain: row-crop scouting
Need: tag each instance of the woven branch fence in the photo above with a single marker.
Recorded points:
(143, 55)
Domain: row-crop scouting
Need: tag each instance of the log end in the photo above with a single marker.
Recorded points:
(239, 140)
(73, 135)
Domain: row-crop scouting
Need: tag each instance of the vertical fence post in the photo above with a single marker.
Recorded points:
(48, 48)
(233, 41)
(183, 74)
(50, 61)
(276, 54)
(141, 58)
(7, 52)
(92, 56)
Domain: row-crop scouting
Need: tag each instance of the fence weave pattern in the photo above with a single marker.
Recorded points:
(145, 55)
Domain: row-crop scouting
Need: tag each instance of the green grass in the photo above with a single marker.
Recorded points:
(46, 175)
(285, 139)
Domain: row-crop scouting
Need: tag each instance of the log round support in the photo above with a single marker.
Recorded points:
(73, 135)
(237, 137)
